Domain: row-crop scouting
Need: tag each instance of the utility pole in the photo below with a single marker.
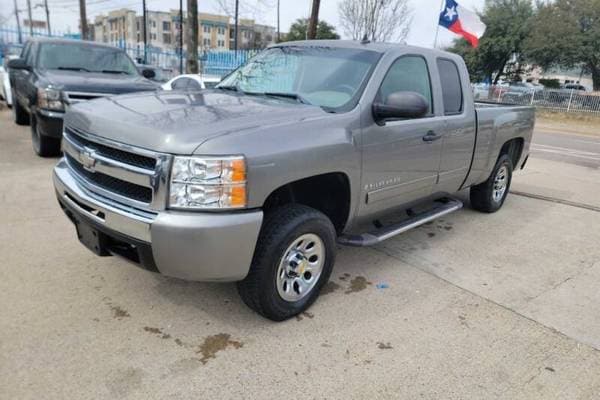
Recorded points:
(237, 14)
(30, 19)
(314, 20)
(18, 22)
(47, 18)
(192, 39)
(145, 33)
(83, 18)
(278, 19)
(181, 36)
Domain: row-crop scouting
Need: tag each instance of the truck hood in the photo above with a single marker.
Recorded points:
(93, 82)
(178, 122)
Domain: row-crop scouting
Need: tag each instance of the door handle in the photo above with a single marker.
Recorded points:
(431, 137)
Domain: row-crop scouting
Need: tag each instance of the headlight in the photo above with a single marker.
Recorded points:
(208, 183)
(50, 99)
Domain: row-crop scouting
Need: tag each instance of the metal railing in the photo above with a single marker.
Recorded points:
(212, 62)
(565, 100)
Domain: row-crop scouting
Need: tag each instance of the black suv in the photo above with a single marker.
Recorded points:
(53, 74)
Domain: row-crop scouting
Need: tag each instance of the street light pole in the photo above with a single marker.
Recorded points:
(83, 18)
(237, 11)
(278, 19)
(181, 36)
(30, 19)
(18, 22)
(47, 17)
(144, 22)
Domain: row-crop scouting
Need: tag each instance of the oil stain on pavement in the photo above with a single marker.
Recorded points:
(215, 343)
(358, 284)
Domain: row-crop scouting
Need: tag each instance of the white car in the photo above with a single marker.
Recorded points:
(5, 92)
(192, 82)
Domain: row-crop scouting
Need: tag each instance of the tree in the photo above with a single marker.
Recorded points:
(299, 28)
(379, 20)
(500, 50)
(566, 33)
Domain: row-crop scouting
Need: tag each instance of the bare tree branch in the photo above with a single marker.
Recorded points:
(379, 20)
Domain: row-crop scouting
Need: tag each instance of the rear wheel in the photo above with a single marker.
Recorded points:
(44, 146)
(293, 259)
(20, 115)
(490, 195)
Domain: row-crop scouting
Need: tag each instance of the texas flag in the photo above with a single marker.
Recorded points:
(462, 21)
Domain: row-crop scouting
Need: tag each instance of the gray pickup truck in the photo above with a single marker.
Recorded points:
(309, 145)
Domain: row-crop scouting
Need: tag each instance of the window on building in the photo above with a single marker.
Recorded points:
(166, 26)
(206, 42)
(153, 36)
(154, 24)
(167, 38)
(137, 25)
(206, 28)
(221, 30)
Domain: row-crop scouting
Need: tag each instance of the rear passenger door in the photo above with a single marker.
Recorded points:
(460, 126)
(400, 160)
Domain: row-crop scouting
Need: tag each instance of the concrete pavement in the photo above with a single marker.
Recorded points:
(473, 306)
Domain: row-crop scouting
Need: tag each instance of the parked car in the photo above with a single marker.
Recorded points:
(53, 74)
(192, 82)
(257, 180)
(574, 87)
(5, 91)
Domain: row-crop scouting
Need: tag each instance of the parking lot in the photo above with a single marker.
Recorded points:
(472, 306)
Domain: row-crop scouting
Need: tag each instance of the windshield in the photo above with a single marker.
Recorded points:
(323, 76)
(87, 58)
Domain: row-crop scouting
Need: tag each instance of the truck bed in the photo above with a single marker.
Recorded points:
(497, 124)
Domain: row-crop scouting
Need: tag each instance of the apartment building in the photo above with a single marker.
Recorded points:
(215, 32)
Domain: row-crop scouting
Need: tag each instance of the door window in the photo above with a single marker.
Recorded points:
(451, 87)
(408, 74)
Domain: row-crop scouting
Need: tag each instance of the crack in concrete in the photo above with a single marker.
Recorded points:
(556, 200)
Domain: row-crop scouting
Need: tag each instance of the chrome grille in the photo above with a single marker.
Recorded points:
(111, 152)
(125, 174)
(106, 182)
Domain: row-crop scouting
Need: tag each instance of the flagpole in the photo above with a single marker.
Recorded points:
(437, 31)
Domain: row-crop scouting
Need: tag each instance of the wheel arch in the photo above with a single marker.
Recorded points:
(329, 193)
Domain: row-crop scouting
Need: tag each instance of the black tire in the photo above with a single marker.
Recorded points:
(280, 230)
(20, 115)
(43, 146)
(484, 197)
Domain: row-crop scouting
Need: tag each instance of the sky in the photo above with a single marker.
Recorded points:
(64, 14)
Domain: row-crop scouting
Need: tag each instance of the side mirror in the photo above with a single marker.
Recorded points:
(148, 73)
(18, 63)
(401, 105)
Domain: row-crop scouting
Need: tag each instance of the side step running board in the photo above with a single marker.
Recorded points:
(446, 206)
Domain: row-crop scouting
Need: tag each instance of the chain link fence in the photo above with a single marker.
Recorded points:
(211, 62)
(565, 100)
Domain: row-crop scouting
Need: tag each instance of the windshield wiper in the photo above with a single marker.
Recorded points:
(114, 71)
(296, 96)
(73, 69)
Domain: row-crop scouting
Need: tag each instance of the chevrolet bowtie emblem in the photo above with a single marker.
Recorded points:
(88, 159)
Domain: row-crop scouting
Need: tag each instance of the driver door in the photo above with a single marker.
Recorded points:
(401, 158)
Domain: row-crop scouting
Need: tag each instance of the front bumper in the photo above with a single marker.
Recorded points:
(50, 123)
(187, 245)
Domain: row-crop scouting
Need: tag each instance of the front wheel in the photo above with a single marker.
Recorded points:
(489, 196)
(20, 115)
(44, 146)
(293, 259)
